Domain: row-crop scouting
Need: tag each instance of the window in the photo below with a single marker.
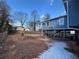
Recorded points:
(61, 21)
(43, 23)
(47, 23)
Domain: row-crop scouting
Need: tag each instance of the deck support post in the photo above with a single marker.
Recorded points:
(77, 36)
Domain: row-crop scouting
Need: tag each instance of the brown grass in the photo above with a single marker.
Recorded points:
(27, 47)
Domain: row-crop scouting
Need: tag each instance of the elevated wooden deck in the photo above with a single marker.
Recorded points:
(64, 33)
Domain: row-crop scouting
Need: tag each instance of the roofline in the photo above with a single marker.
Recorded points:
(57, 17)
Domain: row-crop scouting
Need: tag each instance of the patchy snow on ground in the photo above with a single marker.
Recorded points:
(57, 51)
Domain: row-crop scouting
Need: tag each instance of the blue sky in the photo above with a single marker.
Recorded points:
(53, 7)
(42, 6)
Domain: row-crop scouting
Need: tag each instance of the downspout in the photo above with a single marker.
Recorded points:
(66, 5)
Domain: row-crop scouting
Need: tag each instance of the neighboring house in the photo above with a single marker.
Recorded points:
(27, 29)
(39, 26)
(20, 28)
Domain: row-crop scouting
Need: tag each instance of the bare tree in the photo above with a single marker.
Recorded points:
(4, 25)
(30, 25)
(34, 18)
(21, 17)
(47, 17)
(4, 14)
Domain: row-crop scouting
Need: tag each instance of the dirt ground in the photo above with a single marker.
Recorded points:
(27, 47)
(31, 45)
(73, 48)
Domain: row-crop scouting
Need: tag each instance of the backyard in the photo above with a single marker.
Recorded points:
(35, 46)
(28, 46)
(39, 29)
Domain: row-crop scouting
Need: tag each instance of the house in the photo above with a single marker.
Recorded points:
(52, 25)
(72, 10)
(38, 26)
(70, 20)
(20, 28)
(55, 23)
(68, 23)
